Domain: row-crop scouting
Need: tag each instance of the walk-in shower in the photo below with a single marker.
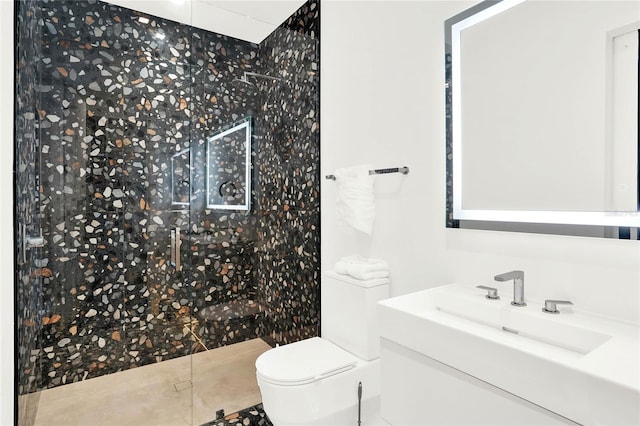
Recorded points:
(165, 214)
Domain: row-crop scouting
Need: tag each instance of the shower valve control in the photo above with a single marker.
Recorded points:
(29, 241)
(492, 293)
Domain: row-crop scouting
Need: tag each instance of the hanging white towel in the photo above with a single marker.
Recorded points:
(355, 202)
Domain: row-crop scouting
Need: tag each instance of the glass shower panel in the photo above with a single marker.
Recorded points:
(257, 269)
(29, 268)
(79, 210)
(141, 287)
(103, 105)
(157, 105)
(222, 234)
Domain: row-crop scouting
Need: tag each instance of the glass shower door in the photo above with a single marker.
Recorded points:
(104, 307)
(160, 332)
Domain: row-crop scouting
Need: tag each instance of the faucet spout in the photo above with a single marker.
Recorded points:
(518, 285)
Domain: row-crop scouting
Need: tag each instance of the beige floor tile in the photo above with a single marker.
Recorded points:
(226, 381)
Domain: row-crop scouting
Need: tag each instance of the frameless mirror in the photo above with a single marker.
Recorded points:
(229, 168)
(181, 179)
(542, 116)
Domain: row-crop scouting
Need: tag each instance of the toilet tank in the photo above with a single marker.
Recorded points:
(348, 312)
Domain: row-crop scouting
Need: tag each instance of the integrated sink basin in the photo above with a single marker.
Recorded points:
(580, 366)
(504, 317)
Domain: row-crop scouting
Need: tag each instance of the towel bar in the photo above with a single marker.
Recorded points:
(403, 170)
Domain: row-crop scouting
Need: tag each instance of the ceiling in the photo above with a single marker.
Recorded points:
(250, 20)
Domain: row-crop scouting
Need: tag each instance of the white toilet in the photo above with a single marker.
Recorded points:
(315, 381)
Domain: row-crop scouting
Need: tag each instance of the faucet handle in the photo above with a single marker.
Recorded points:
(492, 293)
(551, 308)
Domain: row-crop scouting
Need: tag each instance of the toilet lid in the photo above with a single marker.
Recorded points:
(303, 362)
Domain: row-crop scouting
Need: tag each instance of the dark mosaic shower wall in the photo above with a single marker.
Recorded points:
(221, 241)
(288, 202)
(105, 105)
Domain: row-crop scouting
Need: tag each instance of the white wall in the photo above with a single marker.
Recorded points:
(382, 102)
(6, 213)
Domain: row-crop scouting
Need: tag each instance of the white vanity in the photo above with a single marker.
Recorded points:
(452, 356)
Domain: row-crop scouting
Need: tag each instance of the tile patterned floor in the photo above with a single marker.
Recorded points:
(252, 416)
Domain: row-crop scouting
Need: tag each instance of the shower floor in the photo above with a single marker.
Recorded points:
(160, 394)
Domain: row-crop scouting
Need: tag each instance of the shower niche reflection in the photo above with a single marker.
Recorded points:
(181, 179)
(229, 168)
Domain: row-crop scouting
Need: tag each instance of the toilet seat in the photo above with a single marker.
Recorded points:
(303, 362)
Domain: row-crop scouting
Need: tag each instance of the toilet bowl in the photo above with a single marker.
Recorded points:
(316, 381)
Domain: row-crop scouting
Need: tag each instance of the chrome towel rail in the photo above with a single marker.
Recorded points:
(403, 170)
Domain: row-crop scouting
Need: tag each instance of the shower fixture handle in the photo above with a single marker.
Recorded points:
(29, 241)
(176, 242)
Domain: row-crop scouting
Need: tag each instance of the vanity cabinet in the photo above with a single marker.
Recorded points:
(418, 390)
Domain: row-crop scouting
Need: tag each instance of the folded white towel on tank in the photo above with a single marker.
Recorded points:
(359, 260)
(362, 268)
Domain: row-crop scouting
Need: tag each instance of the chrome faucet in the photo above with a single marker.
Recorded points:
(518, 286)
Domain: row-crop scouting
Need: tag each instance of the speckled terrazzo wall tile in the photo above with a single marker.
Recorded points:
(111, 106)
(220, 242)
(287, 195)
(450, 221)
(306, 20)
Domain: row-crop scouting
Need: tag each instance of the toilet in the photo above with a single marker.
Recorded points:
(315, 381)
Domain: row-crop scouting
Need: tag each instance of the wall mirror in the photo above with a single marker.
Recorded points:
(229, 167)
(181, 179)
(542, 117)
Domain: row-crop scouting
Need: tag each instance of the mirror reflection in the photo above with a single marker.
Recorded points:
(181, 179)
(229, 168)
(543, 103)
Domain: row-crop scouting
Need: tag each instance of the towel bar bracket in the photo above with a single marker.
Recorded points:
(404, 170)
